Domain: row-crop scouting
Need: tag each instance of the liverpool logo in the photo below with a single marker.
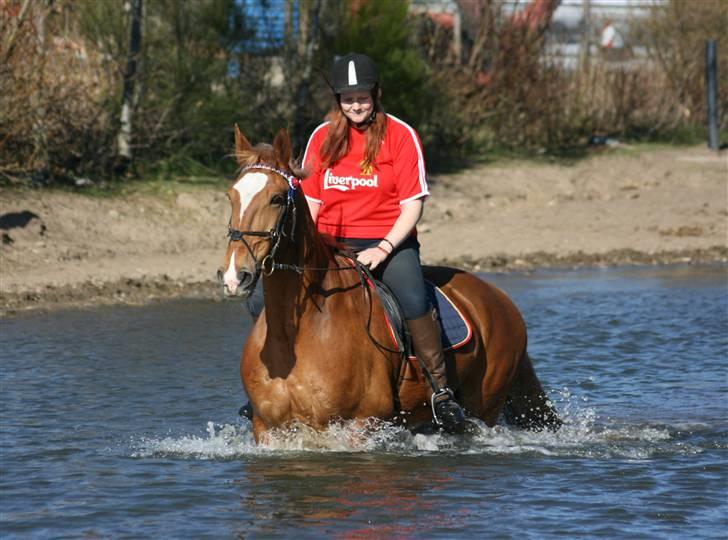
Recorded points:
(346, 183)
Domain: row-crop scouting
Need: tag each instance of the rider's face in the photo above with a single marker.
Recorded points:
(357, 106)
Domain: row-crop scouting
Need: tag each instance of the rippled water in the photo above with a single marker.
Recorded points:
(121, 422)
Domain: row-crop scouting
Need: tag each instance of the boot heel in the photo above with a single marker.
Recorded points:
(447, 414)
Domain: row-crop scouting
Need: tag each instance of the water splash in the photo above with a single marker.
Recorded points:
(222, 442)
(583, 434)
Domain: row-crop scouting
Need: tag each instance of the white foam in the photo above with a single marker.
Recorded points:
(583, 434)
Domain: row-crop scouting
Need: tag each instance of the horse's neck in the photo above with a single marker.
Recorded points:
(291, 295)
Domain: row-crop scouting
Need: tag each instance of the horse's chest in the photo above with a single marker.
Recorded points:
(316, 382)
(295, 397)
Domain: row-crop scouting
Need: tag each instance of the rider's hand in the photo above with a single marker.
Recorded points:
(372, 257)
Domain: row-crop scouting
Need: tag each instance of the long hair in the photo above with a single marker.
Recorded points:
(336, 143)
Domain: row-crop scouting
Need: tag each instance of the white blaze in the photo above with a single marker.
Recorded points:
(248, 186)
(230, 278)
(352, 73)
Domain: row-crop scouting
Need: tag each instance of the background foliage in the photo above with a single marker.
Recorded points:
(205, 65)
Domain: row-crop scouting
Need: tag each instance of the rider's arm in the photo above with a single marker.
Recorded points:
(312, 163)
(411, 185)
(314, 208)
(402, 228)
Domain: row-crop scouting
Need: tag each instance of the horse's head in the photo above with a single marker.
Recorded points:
(262, 201)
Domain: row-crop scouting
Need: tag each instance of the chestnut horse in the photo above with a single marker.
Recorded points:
(315, 355)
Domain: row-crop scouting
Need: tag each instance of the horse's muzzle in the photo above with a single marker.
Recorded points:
(242, 287)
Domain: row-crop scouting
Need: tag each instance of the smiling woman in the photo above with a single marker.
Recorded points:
(366, 190)
(357, 106)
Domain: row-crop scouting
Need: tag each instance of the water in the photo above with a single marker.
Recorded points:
(121, 422)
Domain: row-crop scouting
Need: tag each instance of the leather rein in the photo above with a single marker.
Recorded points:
(268, 265)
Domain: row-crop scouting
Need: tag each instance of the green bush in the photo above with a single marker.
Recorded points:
(410, 89)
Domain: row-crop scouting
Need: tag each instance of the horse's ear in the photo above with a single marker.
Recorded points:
(282, 148)
(241, 144)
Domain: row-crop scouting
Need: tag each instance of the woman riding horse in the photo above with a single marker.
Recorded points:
(313, 357)
(366, 189)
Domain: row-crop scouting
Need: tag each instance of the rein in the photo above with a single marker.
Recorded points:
(268, 265)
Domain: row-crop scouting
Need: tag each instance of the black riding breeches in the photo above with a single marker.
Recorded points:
(402, 273)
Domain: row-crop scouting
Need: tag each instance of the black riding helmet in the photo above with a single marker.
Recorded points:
(352, 72)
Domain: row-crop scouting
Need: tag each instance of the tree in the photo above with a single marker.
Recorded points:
(127, 106)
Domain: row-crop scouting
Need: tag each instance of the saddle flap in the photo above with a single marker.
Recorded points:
(456, 330)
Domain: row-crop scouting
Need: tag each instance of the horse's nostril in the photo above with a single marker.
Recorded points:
(245, 278)
(220, 276)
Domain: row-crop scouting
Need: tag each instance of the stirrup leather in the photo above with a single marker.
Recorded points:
(441, 392)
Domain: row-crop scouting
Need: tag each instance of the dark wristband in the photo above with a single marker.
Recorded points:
(388, 242)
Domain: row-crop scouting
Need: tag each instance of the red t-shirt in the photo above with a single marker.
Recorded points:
(358, 205)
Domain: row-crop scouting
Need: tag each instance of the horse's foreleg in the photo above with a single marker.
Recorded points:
(260, 430)
(527, 405)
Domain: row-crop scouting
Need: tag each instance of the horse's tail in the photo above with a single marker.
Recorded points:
(527, 405)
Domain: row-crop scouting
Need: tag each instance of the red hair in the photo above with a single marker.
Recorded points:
(336, 143)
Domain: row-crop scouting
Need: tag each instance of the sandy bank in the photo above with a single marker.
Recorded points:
(626, 207)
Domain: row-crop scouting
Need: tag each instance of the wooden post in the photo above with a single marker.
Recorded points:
(711, 93)
(40, 162)
(135, 41)
(457, 35)
(586, 37)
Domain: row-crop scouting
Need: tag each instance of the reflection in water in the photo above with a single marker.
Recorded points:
(374, 492)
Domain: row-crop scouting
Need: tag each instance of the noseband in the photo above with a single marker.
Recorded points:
(268, 264)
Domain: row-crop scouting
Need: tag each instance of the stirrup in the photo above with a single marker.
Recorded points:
(441, 392)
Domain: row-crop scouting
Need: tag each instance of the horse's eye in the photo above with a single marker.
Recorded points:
(278, 200)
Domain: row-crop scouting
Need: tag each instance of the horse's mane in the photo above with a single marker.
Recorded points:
(264, 153)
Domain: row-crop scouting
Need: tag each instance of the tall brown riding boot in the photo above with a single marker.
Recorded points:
(425, 334)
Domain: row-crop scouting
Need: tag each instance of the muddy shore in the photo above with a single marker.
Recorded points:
(153, 243)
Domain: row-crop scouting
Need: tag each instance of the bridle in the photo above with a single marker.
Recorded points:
(268, 265)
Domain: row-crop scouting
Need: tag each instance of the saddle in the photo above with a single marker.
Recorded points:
(456, 330)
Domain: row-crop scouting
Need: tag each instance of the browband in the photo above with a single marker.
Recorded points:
(293, 182)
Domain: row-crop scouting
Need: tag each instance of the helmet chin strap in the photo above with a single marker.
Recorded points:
(368, 121)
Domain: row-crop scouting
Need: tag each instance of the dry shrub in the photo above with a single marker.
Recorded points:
(52, 91)
(675, 35)
(662, 95)
(523, 92)
(513, 97)
(623, 100)
(511, 93)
